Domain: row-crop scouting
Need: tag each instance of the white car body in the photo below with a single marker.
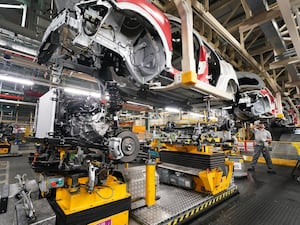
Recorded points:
(129, 42)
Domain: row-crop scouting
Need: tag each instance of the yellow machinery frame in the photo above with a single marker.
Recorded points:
(211, 181)
(4, 147)
(75, 200)
(72, 200)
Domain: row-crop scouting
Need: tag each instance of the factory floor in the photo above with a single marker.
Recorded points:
(263, 198)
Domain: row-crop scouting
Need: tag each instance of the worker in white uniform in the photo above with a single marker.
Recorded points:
(262, 139)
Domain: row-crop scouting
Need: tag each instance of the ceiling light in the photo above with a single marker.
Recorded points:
(139, 104)
(3, 43)
(15, 79)
(82, 92)
(106, 96)
(196, 114)
(24, 49)
(170, 109)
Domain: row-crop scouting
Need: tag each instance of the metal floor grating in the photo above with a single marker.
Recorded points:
(177, 205)
(172, 201)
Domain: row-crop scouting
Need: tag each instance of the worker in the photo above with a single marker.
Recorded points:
(262, 139)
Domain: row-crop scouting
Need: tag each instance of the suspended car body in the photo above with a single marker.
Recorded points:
(256, 100)
(135, 44)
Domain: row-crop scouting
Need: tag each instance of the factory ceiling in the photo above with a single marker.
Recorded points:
(253, 35)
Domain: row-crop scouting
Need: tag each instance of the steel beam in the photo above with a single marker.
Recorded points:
(220, 30)
(184, 9)
(292, 84)
(294, 108)
(284, 62)
(287, 15)
(259, 19)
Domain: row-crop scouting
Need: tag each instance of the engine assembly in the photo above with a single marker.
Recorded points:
(79, 136)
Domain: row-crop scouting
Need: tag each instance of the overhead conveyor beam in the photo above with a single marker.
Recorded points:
(259, 19)
(284, 62)
(186, 80)
(186, 15)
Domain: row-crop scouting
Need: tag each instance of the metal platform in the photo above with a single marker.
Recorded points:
(176, 206)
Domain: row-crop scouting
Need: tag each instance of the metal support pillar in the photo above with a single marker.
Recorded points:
(278, 104)
(294, 108)
(150, 182)
(185, 12)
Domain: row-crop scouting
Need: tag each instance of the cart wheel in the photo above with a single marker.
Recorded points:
(130, 146)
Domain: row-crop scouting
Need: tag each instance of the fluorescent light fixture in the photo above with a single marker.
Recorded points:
(3, 43)
(139, 104)
(15, 80)
(82, 92)
(24, 7)
(106, 96)
(196, 114)
(213, 118)
(24, 49)
(170, 109)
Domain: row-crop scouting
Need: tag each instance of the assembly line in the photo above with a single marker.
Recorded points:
(92, 161)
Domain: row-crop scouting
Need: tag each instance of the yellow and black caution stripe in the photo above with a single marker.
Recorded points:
(203, 206)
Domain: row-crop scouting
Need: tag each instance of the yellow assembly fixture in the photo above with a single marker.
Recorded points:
(106, 204)
(205, 149)
(214, 181)
(297, 147)
(189, 77)
(150, 182)
(4, 147)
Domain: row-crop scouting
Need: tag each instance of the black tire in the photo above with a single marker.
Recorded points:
(130, 146)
